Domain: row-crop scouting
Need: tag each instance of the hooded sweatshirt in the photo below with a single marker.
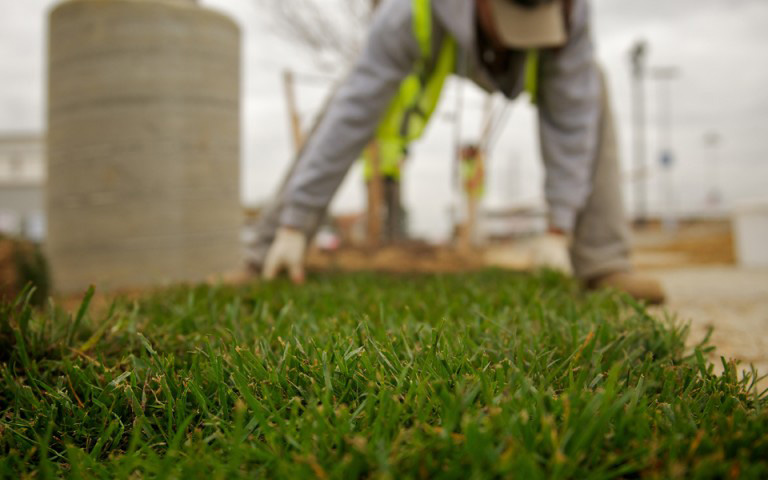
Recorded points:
(568, 106)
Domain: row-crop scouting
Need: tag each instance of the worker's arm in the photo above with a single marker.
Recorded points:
(353, 115)
(569, 109)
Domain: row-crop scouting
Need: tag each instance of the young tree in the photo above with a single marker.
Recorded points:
(333, 31)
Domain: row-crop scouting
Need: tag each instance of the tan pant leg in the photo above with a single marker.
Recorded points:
(602, 238)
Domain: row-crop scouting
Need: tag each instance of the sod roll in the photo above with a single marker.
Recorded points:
(143, 143)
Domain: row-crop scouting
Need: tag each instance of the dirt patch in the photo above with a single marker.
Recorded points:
(415, 257)
(8, 272)
(695, 243)
(22, 263)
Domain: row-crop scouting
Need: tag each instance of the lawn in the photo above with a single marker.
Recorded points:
(483, 375)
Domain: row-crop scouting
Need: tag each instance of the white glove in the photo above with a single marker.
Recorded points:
(551, 251)
(287, 251)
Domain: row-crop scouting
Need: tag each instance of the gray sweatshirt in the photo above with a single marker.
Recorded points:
(569, 105)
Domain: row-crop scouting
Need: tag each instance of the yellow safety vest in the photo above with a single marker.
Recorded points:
(408, 114)
(470, 169)
(416, 100)
(532, 75)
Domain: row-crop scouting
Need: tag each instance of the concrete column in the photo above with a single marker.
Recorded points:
(143, 143)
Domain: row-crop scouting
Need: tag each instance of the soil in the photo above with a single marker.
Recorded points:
(404, 258)
(9, 287)
(694, 243)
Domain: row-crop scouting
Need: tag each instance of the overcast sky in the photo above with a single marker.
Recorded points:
(720, 47)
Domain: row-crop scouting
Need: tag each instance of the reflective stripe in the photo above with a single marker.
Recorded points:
(416, 117)
(407, 115)
(422, 27)
(532, 75)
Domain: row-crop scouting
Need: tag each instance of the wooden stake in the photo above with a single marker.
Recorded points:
(375, 194)
(290, 98)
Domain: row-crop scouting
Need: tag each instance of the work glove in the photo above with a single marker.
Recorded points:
(287, 251)
(551, 251)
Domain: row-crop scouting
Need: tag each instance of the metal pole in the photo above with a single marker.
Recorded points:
(457, 139)
(637, 57)
(664, 76)
(714, 197)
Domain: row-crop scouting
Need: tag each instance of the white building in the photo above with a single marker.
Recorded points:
(22, 185)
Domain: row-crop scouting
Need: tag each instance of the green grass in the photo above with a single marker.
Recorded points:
(485, 375)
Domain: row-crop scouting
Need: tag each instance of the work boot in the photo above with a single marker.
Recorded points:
(639, 287)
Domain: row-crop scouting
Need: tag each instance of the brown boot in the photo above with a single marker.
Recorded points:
(637, 286)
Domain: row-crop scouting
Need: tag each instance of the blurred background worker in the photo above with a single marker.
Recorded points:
(394, 87)
(472, 171)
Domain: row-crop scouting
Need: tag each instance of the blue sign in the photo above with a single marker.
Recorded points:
(666, 159)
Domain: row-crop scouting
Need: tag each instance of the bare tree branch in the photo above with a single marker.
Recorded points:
(326, 28)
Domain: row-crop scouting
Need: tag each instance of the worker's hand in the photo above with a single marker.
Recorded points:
(551, 251)
(287, 251)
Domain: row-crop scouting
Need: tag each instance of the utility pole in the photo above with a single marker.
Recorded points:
(664, 76)
(637, 56)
